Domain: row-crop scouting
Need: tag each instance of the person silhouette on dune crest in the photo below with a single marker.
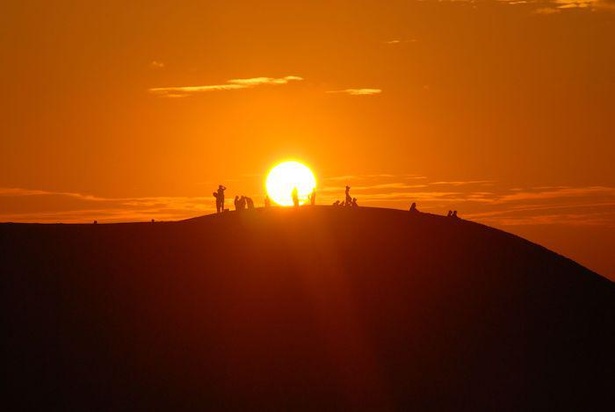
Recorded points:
(295, 196)
(312, 197)
(348, 201)
(219, 195)
(249, 203)
(236, 202)
(241, 203)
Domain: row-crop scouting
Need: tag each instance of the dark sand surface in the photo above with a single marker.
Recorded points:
(315, 308)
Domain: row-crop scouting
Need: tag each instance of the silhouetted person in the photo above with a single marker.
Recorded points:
(348, 201)
(249, 202)
(219, 195)
(413, 208)
(236, 202)
(241, 203)
(313, 197)
(337, 203)
(454, 215)
(449, 214)
(354, 202)
(295, 196)
(267, 201)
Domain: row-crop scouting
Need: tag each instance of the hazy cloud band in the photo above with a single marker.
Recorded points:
(479, 200)
(233, 84)
(357, 92)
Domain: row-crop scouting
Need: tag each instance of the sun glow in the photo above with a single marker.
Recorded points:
(286, 176)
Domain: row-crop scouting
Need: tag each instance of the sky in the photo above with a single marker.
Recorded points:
(130, 111)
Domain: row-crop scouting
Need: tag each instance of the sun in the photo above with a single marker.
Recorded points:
(286, 176)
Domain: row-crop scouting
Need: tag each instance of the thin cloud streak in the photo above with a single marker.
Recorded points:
(233, 84)
(548, 7)
(397, 41)
(556, 193)
(357, 92)
(465, 183)
(48, 207)
(364, 177)
(546, 11)
(11, 191)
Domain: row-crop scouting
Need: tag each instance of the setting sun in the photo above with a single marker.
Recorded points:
(286, 176)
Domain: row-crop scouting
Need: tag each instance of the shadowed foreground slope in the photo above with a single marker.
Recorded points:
(300, 309)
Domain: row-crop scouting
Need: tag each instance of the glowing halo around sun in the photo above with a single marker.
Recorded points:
(284, 177)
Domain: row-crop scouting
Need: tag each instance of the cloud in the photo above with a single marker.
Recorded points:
(397, 41)
(372, 177)
(233, 84)
(26, 205)
(547, 11)
(467, 182)
(357, 92)
(19, 192)
(586, 4)
(547, 7)
(558, 193)
(259, 81)
(484, 201)
(575, 4)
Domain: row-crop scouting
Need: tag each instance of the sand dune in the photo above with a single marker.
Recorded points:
(314, 308)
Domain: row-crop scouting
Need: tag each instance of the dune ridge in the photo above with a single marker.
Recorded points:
(307, 308)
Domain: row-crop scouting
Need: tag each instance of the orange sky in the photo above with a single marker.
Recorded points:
(502, 110)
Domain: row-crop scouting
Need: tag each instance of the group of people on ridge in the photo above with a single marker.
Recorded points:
(240, 203)
(348, 201)
(295, 196)
(451, 213)
(245, 202)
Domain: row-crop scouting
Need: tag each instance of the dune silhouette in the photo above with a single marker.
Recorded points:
(300, 308)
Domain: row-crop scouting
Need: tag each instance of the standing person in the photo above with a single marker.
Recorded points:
(220, 199)
(313, 197)
(236, 202)
(249, 203)
(295, 196)
(348, 201)
(267, 201)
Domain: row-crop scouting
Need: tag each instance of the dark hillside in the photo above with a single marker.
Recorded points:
(315, 308)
